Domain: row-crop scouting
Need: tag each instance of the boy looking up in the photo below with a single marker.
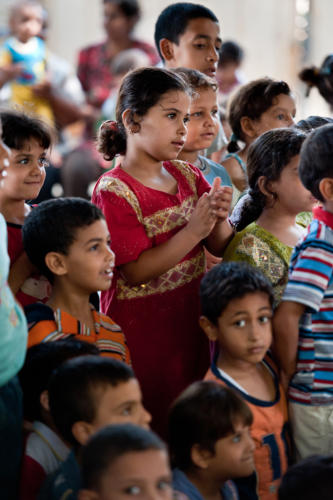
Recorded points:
(85, 395)
(67, 239)
(236, 301)
(303, 323)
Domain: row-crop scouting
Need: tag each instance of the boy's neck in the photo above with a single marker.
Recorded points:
(190, 156)
(14, 211)
(74, 302)
(210, 488)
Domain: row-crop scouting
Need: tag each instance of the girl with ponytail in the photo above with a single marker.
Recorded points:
(322, 78)
(161, 213)
(270, 221)
(256, 107)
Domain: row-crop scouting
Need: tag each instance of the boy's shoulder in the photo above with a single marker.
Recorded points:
(64, 483)
(181, 484)
(211, 169)
(320, 229)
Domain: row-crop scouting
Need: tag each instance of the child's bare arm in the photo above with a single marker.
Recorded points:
(157, 260)
(19, 272)
(285, 327)
(221, 197)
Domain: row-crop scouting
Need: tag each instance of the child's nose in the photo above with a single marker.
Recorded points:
(213, 54)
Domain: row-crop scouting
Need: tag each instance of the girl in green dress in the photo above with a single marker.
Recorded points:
(270, 221)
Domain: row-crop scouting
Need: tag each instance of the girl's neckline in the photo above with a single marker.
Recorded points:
(166, 165)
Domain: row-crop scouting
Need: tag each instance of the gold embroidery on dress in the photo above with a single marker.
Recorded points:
(182, 273)
(121, 189)
(167, 219)
(267, 261)
(187, 172)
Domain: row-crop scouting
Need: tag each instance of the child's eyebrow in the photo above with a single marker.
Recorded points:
(171, 109)
(93, 240)
(126, 403)
(265, 308)
(207, 37)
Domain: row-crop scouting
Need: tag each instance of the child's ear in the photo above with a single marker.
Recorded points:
(208, 327)
(326, 188)
(248, 127)
(44, 400)
(200, 457)
(130, 121)
(56, 263)
(87, 495)
(166, 48)
(82, 431)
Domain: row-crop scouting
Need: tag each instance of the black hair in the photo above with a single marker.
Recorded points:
(267, 157)
(140, 90)
(74, 390)
(173, 20)
(312, 122)
(130, 8)
(252, 100)
(52, 226)
(40, 361)
(317, 159)
(322, 78)
(109, 444)
(18, 128)
(196, 80)
(204, 413)
(230, 52)
(228, 281)
(311, 478)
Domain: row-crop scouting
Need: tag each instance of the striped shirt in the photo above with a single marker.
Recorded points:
(311, 284)
(46, 325)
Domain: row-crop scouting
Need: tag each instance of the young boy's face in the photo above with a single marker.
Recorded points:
(204, 121)
(233, 455)
(88, 265)
(244, 330)
(139, 475)
(120, 404)
(26, 172)
(198, 47)
(27, 22)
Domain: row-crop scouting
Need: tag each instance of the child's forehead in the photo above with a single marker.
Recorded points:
(204, 96)
(201, 26)
(248, 303)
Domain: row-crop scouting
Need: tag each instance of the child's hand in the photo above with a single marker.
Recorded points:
(220, 197)
(202, 219)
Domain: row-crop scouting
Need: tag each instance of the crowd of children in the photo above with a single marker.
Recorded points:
(158, 303)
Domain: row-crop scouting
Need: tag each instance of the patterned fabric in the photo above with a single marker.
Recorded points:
(169, 350)
(94, 70)
(268, 432)
(32, 57)
(262, 249)
(311, 284)
(46, 325)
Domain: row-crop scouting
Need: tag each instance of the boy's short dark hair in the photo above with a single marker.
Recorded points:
(73, 390)
(230, 53)
(41, 360)
(111, 443)
(228, 281)
(173, 21)
(18, 128)
(317, 159)
(52, 226)
(311, 478)
(204, 413)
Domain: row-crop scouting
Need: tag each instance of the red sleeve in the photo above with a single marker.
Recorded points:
(128, 235)
(32, 478)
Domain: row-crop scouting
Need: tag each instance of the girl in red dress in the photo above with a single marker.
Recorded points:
(161, 213)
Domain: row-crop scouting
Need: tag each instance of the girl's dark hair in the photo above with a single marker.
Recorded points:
(268, 155)
(252, 100)
(204, 413)
(18, 128)
(130, 8)
(322, 78)
(140, 90)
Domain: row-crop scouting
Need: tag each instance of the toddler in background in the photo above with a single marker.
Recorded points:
(303, 323)
(29, 140)
(236, 301)
(23, 56)
(161, 213)
(210, 442)
(270, 222)
(44, 448)
(256, 107)
(125, 460)
(99, 392)
(74, 253)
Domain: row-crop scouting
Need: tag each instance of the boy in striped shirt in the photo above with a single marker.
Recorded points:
(303, 323)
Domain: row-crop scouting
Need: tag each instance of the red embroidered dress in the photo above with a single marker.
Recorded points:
(160, 317)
